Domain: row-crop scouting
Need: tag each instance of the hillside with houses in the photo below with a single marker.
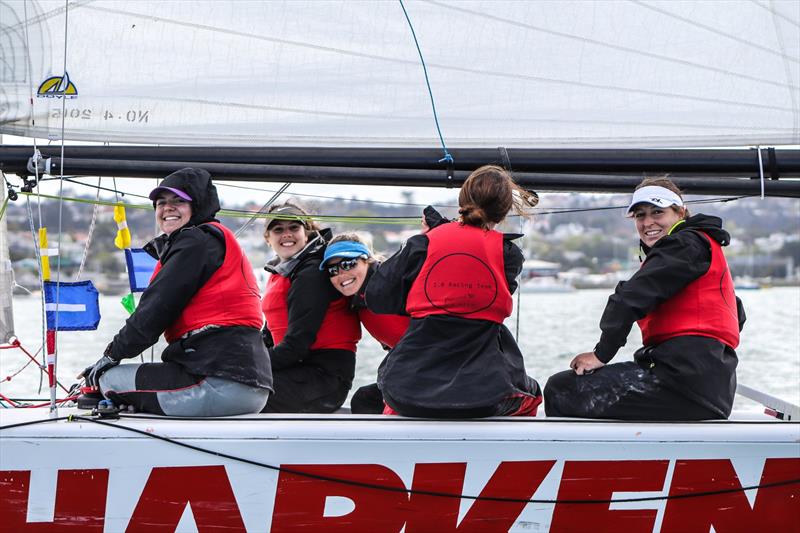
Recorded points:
(579, 237)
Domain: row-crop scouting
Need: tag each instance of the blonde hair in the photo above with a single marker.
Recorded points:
(489, 193)
(355, 237)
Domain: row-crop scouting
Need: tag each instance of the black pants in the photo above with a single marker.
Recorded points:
(509, 406)
(623, 391)
(367, 400)
(306, 389)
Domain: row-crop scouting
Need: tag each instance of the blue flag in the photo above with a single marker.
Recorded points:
(140, 268)
(78, 305)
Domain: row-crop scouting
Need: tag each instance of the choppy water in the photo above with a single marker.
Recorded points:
(553, 328)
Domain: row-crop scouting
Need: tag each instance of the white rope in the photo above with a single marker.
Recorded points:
(91, 231)
(761, 170)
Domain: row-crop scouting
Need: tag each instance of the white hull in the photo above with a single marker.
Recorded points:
(107, 478)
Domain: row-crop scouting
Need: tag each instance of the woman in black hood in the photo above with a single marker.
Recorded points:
(683, 300)
(204, 298)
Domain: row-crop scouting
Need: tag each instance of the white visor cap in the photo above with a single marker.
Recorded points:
(654, 195)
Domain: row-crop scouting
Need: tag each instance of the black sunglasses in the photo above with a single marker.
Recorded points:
(345, 264)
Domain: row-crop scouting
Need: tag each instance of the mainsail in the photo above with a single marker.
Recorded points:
(516, 74)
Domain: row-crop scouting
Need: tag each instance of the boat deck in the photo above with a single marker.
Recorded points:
(743, 425)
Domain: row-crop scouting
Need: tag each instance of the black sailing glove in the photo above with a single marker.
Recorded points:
(92, 373)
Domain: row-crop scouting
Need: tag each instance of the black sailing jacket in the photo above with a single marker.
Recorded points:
(189, 257)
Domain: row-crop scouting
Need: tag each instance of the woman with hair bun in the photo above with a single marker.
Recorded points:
(455, 280)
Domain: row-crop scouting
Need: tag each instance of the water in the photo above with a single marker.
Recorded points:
(553, 328)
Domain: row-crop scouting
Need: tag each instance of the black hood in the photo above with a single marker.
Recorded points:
(196, 182)
(707, 224)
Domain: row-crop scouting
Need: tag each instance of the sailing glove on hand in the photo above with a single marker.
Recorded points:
(92, 373)
(433, 218)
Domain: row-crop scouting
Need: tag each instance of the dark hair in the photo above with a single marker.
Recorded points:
(488, 194)
(664, 181)
(309, 223)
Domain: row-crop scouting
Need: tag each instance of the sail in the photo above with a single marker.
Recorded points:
(347, 73)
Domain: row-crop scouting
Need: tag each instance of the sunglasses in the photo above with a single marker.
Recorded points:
(345, 264)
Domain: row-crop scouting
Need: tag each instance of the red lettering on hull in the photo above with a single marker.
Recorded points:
(80, 502)
(598, 480)
(516, 480)
(775, 508)
(170, 489)
(300, 500)
(81, 495)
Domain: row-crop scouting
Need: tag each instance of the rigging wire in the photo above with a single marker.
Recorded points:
(535, 211)
(263, 209)
(31, 359)
(38, 254)
(376, 219)
(447, 157)
(91, 232)
(336, 198)
(257, 189)
(65, 82)
(36, 159)
(760, 170)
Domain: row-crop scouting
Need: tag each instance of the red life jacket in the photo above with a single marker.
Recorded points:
(387, 329)
(463, 275)
(229, 298)
(340, 329)
(706, 307)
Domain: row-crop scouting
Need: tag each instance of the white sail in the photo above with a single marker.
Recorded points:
(533, 74)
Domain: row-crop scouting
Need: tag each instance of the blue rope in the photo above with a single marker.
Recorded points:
(447, 157)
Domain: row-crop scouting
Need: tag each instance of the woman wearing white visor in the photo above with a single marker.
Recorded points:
(682, 297)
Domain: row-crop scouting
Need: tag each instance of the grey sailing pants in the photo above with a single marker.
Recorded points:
(167, 389)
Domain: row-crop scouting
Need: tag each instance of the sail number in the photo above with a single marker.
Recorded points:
(138, 116)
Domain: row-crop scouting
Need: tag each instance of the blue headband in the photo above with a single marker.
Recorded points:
(346, 249)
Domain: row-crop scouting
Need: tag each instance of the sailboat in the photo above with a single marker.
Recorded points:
(570, 95)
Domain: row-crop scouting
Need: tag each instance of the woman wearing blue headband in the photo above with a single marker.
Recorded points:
(683, 300)
(350, 264)
(310, 330)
